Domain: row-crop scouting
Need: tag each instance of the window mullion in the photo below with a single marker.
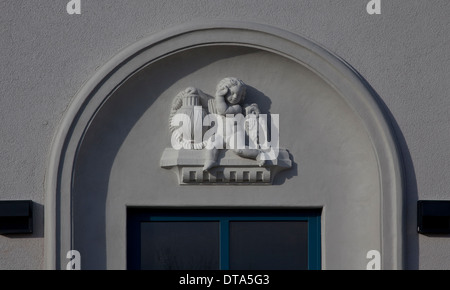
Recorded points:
(224, 244)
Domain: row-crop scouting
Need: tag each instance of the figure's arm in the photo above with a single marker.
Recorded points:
(235, 109)
(221, 105)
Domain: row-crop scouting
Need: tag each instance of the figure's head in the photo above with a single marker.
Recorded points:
(232, 89)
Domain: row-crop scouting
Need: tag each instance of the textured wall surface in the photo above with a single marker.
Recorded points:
(46, 55)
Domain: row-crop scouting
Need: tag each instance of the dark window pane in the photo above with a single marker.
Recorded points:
(180, 245)
(269, 245)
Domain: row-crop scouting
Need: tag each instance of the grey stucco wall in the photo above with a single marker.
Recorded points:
(47, 55)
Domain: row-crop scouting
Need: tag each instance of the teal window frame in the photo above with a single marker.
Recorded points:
(136, 216)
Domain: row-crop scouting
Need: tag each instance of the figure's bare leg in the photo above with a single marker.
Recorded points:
(254, 154)
(210, 159)
(247, 153)
(260, 159)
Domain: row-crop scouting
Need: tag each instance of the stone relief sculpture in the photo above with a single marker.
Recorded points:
(216, 140)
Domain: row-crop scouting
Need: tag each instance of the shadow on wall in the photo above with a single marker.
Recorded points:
(410, 196)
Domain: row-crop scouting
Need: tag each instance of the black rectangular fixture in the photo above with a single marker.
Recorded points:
(16, 217)
(433, 217)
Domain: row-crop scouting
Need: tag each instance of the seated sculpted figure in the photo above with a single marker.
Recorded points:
(229, 100)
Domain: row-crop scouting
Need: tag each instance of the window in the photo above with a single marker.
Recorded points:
(223, 239)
